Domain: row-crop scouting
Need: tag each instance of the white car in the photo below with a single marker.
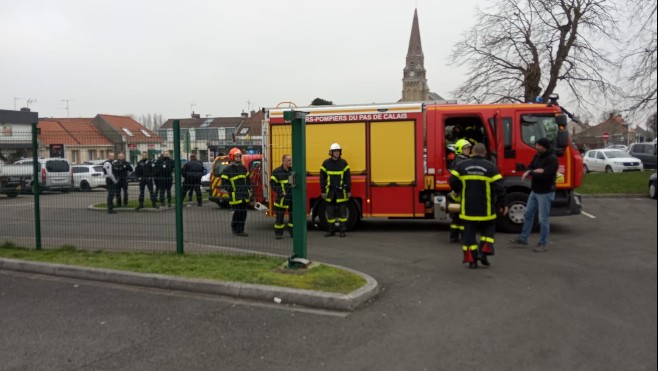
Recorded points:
(88, 177)
(610, 161)
(205, 183)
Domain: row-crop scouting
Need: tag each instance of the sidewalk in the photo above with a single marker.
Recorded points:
(271, 294)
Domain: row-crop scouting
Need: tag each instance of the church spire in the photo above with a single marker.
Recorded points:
(415, 46)
(414, 83)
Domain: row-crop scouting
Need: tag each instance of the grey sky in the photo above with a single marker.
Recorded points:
(122, 57)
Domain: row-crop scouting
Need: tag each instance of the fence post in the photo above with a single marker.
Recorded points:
(298, 122)
(36, 187)
(179, 196)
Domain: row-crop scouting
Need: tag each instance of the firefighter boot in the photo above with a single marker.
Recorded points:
(341, 230)
(454, 235)
(278, 234)
(470, 257)
(331, 231)
(485, 250)
(290, 231)
(141, 205)
(154, 204)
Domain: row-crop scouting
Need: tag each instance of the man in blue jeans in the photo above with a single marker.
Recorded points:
(543, 171)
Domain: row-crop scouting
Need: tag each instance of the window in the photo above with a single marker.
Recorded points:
(57, 166)
(146, 133)
(244, 131)
(130, 134)
(75, 156)
(537, 127)
(91, 154)
(600, 156)
(80, 169)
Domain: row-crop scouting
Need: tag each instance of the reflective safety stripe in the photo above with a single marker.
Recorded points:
(280, 204)
(290, 225)
(472, 247)
(331, 220)
(342, 220)
(279, 226)
(488, 180)
(487, 239)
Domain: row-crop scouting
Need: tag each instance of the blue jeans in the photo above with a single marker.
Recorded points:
(537, 202)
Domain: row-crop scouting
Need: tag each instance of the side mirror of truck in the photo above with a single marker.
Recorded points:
(562, 139)
(561, 120)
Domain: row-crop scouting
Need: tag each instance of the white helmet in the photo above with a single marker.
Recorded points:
(335, 147)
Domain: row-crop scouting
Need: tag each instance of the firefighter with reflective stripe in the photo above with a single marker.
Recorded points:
(479, 183)
(335, 183)
(283, 196)
(236, 181)
(462, 152)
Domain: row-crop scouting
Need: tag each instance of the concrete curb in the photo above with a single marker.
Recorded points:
(616, 195)
(281, 295)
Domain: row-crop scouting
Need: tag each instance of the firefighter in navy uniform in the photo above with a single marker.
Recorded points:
(335, 183)
(164, 167)
(144, 172)
(121, 169)
(479, 183)
(236, 181)
(282, 190)
(462, 152)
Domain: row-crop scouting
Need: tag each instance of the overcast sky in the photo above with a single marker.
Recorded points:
(142, 56)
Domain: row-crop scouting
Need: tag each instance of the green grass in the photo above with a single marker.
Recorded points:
(246, 269)
(635, 182)
(147, 201)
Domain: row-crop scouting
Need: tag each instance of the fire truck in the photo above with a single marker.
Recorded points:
(399, 155)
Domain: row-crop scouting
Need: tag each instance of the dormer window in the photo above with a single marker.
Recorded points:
(146, 133)
(125, 130)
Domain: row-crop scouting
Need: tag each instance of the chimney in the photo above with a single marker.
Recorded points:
(196, 115)
(25, 109)
(252, 113)
(244, 115)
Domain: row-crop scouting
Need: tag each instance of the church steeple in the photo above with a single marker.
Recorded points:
(414, 83)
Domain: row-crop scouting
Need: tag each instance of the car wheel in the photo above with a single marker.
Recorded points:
(84, 186)
(652, 190)
(608, 169)
(585, 169)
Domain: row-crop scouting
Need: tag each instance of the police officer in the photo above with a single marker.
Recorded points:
(164, 167)
(479, 183)
(335, 183)
(283, 196)
(121, 169)
(144, 172)
(193, 172)
(236, 181)
(110, 182)
(462, 152)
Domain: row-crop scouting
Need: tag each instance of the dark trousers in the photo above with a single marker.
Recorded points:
(336, 211)
(487, 230)
(191, 188)
(122, 186)
(279, 225)
(239, 217)
(164, 186)
(146, 183)
(112, 192)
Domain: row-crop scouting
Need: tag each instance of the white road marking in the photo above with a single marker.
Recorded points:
(29, 204)
(588, 215)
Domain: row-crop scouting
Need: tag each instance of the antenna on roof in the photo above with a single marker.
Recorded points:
(248, 106)
(15, 99)
(30, 101)
(67, 105)
(192, 105)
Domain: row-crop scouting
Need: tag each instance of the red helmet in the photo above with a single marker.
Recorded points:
(233, 152)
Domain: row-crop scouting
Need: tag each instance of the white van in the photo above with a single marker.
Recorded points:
(54, 173)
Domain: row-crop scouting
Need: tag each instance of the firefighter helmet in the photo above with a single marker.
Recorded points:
(335, 147)
(233, 152)
(459, 146)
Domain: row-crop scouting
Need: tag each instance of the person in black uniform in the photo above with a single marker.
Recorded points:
(193, 172)
(121, 170)
(282, 191)
(110, 182)
(479, 183)
(164, 167)
(335, 183)
(236, 181)
(144, 172)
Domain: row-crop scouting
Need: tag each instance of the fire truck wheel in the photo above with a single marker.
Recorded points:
(516, 204)
(352, 215)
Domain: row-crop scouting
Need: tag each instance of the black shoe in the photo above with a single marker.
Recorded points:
(199, 205)
(141, 206)
(341, 234)
(455, 239)
(278, 236)
(473, 265)
(484, 261)
(111, 211)
(242, 234)
(330, 234)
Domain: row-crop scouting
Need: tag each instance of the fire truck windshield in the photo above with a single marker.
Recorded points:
(534, 127)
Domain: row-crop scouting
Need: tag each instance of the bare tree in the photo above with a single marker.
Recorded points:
(521, 50)
(640, 59)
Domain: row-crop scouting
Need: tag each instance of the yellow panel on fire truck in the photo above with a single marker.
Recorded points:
(392, 154)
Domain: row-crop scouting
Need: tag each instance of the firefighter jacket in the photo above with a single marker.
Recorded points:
(193, 172)
(236, 181)
(544, 182)
(480, 184)
(281, 187)
(145, 169)
(164, 167)
(454, 196)
(335, 179)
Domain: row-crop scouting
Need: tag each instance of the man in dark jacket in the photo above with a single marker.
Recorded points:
(282, 192)
(543, 171)
(121, 170)
(164, 167)
(236, 181)
(479, 183)
(193, 172)
(335, 183)
(144, 172)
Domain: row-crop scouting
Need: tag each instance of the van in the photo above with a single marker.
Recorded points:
(55, 173)
(645, 152)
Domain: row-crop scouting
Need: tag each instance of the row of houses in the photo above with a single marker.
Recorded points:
(88, 139)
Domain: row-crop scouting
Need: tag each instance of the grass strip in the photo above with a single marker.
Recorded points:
(635, 182)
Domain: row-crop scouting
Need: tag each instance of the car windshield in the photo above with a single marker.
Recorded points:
(537, 127)
(57, 166)
(616, 154)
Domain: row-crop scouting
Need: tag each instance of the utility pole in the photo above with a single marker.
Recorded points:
(67, 106)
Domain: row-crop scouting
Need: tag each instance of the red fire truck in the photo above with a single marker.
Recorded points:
(399, 154)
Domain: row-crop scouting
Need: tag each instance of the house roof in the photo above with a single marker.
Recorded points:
(253, 124)
(76, 131)
(211, 122)
(131, 129)
(614, 124)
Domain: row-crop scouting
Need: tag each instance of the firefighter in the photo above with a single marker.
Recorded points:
(283, 199)
(110, 182)
(236, 181)
(479, 183)
(121, 169)
(462, 152)
(164, 167)
(144, 172)
(335, 183)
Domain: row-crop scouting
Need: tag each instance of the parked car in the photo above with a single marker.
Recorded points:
(618, 146)
(610, 161)
(652, 185)
(55, 173)
(645, 152)
(87, 177)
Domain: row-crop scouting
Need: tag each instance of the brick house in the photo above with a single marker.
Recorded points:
(75, 139)
(128, 136)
